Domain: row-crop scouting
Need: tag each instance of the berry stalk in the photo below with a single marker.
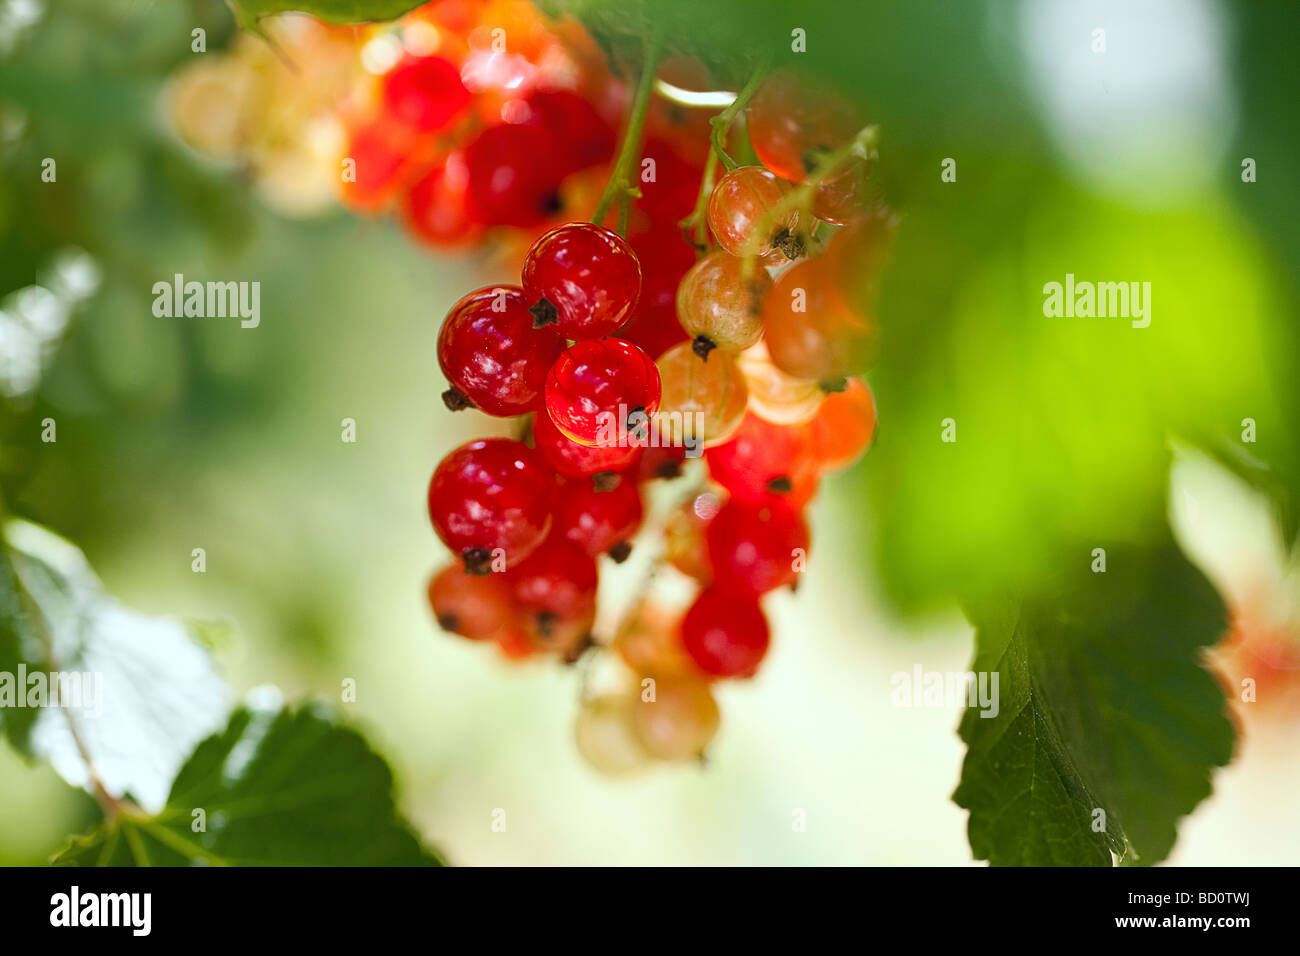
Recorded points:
(620, 184)
(722, 122)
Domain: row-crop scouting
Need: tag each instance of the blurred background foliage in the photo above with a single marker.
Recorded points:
(176, 434)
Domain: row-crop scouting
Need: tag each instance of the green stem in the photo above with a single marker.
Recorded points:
(620, 183)
(722, 122)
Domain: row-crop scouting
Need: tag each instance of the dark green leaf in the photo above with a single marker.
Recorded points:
(286, 787)
(1102, 705)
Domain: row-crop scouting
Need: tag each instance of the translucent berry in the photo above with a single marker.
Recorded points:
(577, 135)
(599, 522)
(718, 308)
(795, 124)
(704, 398)
(473, 606)
(757, 548)
(741, 204)
(842, 195)
(681, 720)
(573, 460)
(425, 93)
(725, 633)
(812, 332)
(599, 390)
(773, 394)
(383, 163)
(606, 737)
(488, 495)
(493, 356)
(843, 427)
(649, 644)
(764, 461)
(684, 536)
(583, 278)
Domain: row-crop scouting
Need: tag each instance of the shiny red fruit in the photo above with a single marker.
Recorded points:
(424, 93)
(579, 138)
(765, 461)
(757, 548)
(725, 633)
(583, 278)
(579, 461)
(490, 499)
(599, 521)
(493, 356)
(599, 389)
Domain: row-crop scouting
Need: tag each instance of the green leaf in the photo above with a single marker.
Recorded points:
(277, 787)
(1102, 705)
(18, 652)
(146, 690)
(248, 12)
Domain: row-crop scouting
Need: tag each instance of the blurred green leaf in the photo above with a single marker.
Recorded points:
(278, 787)
(249, 12)
(1102, 705)
(17, 648)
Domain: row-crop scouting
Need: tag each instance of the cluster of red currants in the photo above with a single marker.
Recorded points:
(632, 357)
(481, 122)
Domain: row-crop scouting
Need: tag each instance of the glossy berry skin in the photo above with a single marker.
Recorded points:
(681, 720)
(754, 548)
(598, 521)
(825, 338)
(578, 136)
(573, 460)
(841, 195)
(766, 461)
(715, 303)
(738, 208)
(725, 633)
(665, 257)
(794, 126)
(709, 394)
(424, 93)
(555, 589)
(492, 354)
(595, 387)
(473, 606)
(584, 278)
(490, 494)
(844, 426)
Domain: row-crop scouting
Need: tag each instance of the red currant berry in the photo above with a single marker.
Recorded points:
(811, 330)
(555, 588)
(383, 164)
(739, 207)
(493, 356)
(584, 278)
(579, 461)
(488, 495)
(725, 633)
(577, 135)
(511, 180)
(665, 258)
(757, 548)
(599, 390)
(434, 207)
(765, 461)
(599, 521)
(424, 93)
(473, 606)
(843, 427)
